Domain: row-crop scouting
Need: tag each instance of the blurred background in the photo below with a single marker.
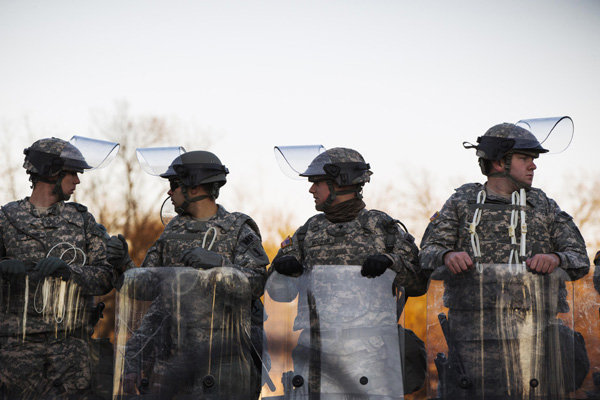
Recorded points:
(405, 83)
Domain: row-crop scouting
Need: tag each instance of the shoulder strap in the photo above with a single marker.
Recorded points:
(83, 210)
(389, 226)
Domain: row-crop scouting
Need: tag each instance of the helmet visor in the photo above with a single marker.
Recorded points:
(96, 153)
(156, 160)
(294, 160)
(73, 159)
(555, 134)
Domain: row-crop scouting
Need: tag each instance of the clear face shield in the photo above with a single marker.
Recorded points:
(96, 153)
(295, 160)
(156, 161)
(554, 134)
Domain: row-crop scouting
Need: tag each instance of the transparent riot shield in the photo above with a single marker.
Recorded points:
(333, 334)
(587, 322)
(183, 333)
(501, 334)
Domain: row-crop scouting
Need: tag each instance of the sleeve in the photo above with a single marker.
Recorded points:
(281, 288)
(406, 264)
(440, 237)
(569, 245)
(153, 257)
(95, 278)
(250, 258)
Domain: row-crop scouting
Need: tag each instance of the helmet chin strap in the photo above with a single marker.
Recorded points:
(518, 183)
(326, 205)
(506, 174)
(182, 209)
(57, 189)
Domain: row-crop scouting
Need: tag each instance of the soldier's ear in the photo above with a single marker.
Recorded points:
(498, 165)
(197, 191)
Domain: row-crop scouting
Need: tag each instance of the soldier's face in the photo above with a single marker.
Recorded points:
(176, 196)
(320, 192)
(69, 183)
(522, 167)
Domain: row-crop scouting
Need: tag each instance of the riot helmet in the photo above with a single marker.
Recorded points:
(197, 168)
(506, 138)
(500, 142)
(48, 158)
(343, 166)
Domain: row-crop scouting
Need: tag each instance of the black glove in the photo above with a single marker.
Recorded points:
(201, 258)
(375, 265)
(53, 266)
(288, 265)
(12, 269)
(117, 251)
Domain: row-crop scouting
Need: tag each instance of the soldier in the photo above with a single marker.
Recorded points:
(53, 262)
(345, 233)
(195, 180)
(478, 238)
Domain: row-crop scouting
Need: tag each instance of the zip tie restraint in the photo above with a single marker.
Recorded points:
(519, 203)
(473, 231)
(49, 285)
(214, 231)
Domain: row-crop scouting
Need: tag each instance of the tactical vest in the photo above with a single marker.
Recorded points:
(30, 239)
(347, 243)
(185, 233)
(494, 240)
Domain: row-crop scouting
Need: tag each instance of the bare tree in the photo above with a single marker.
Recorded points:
(413, 202)
(584, 202)
(15, 139)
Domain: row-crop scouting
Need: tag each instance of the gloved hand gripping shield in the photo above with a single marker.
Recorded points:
(502, 334)
(333, 334)
(183, 333)
(29, 290)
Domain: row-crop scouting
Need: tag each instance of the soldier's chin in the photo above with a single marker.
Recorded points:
(321, 207)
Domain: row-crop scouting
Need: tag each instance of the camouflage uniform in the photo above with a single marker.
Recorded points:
(53, 358)
(549, 230)
(238, 242)
(321, 242)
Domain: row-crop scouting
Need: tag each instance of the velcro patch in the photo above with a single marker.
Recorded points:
(247, 241)
(286, 242)
(434, 216)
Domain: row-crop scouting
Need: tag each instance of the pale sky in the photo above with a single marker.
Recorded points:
(403, 82)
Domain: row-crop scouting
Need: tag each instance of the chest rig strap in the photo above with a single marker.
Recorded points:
(518, 205)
